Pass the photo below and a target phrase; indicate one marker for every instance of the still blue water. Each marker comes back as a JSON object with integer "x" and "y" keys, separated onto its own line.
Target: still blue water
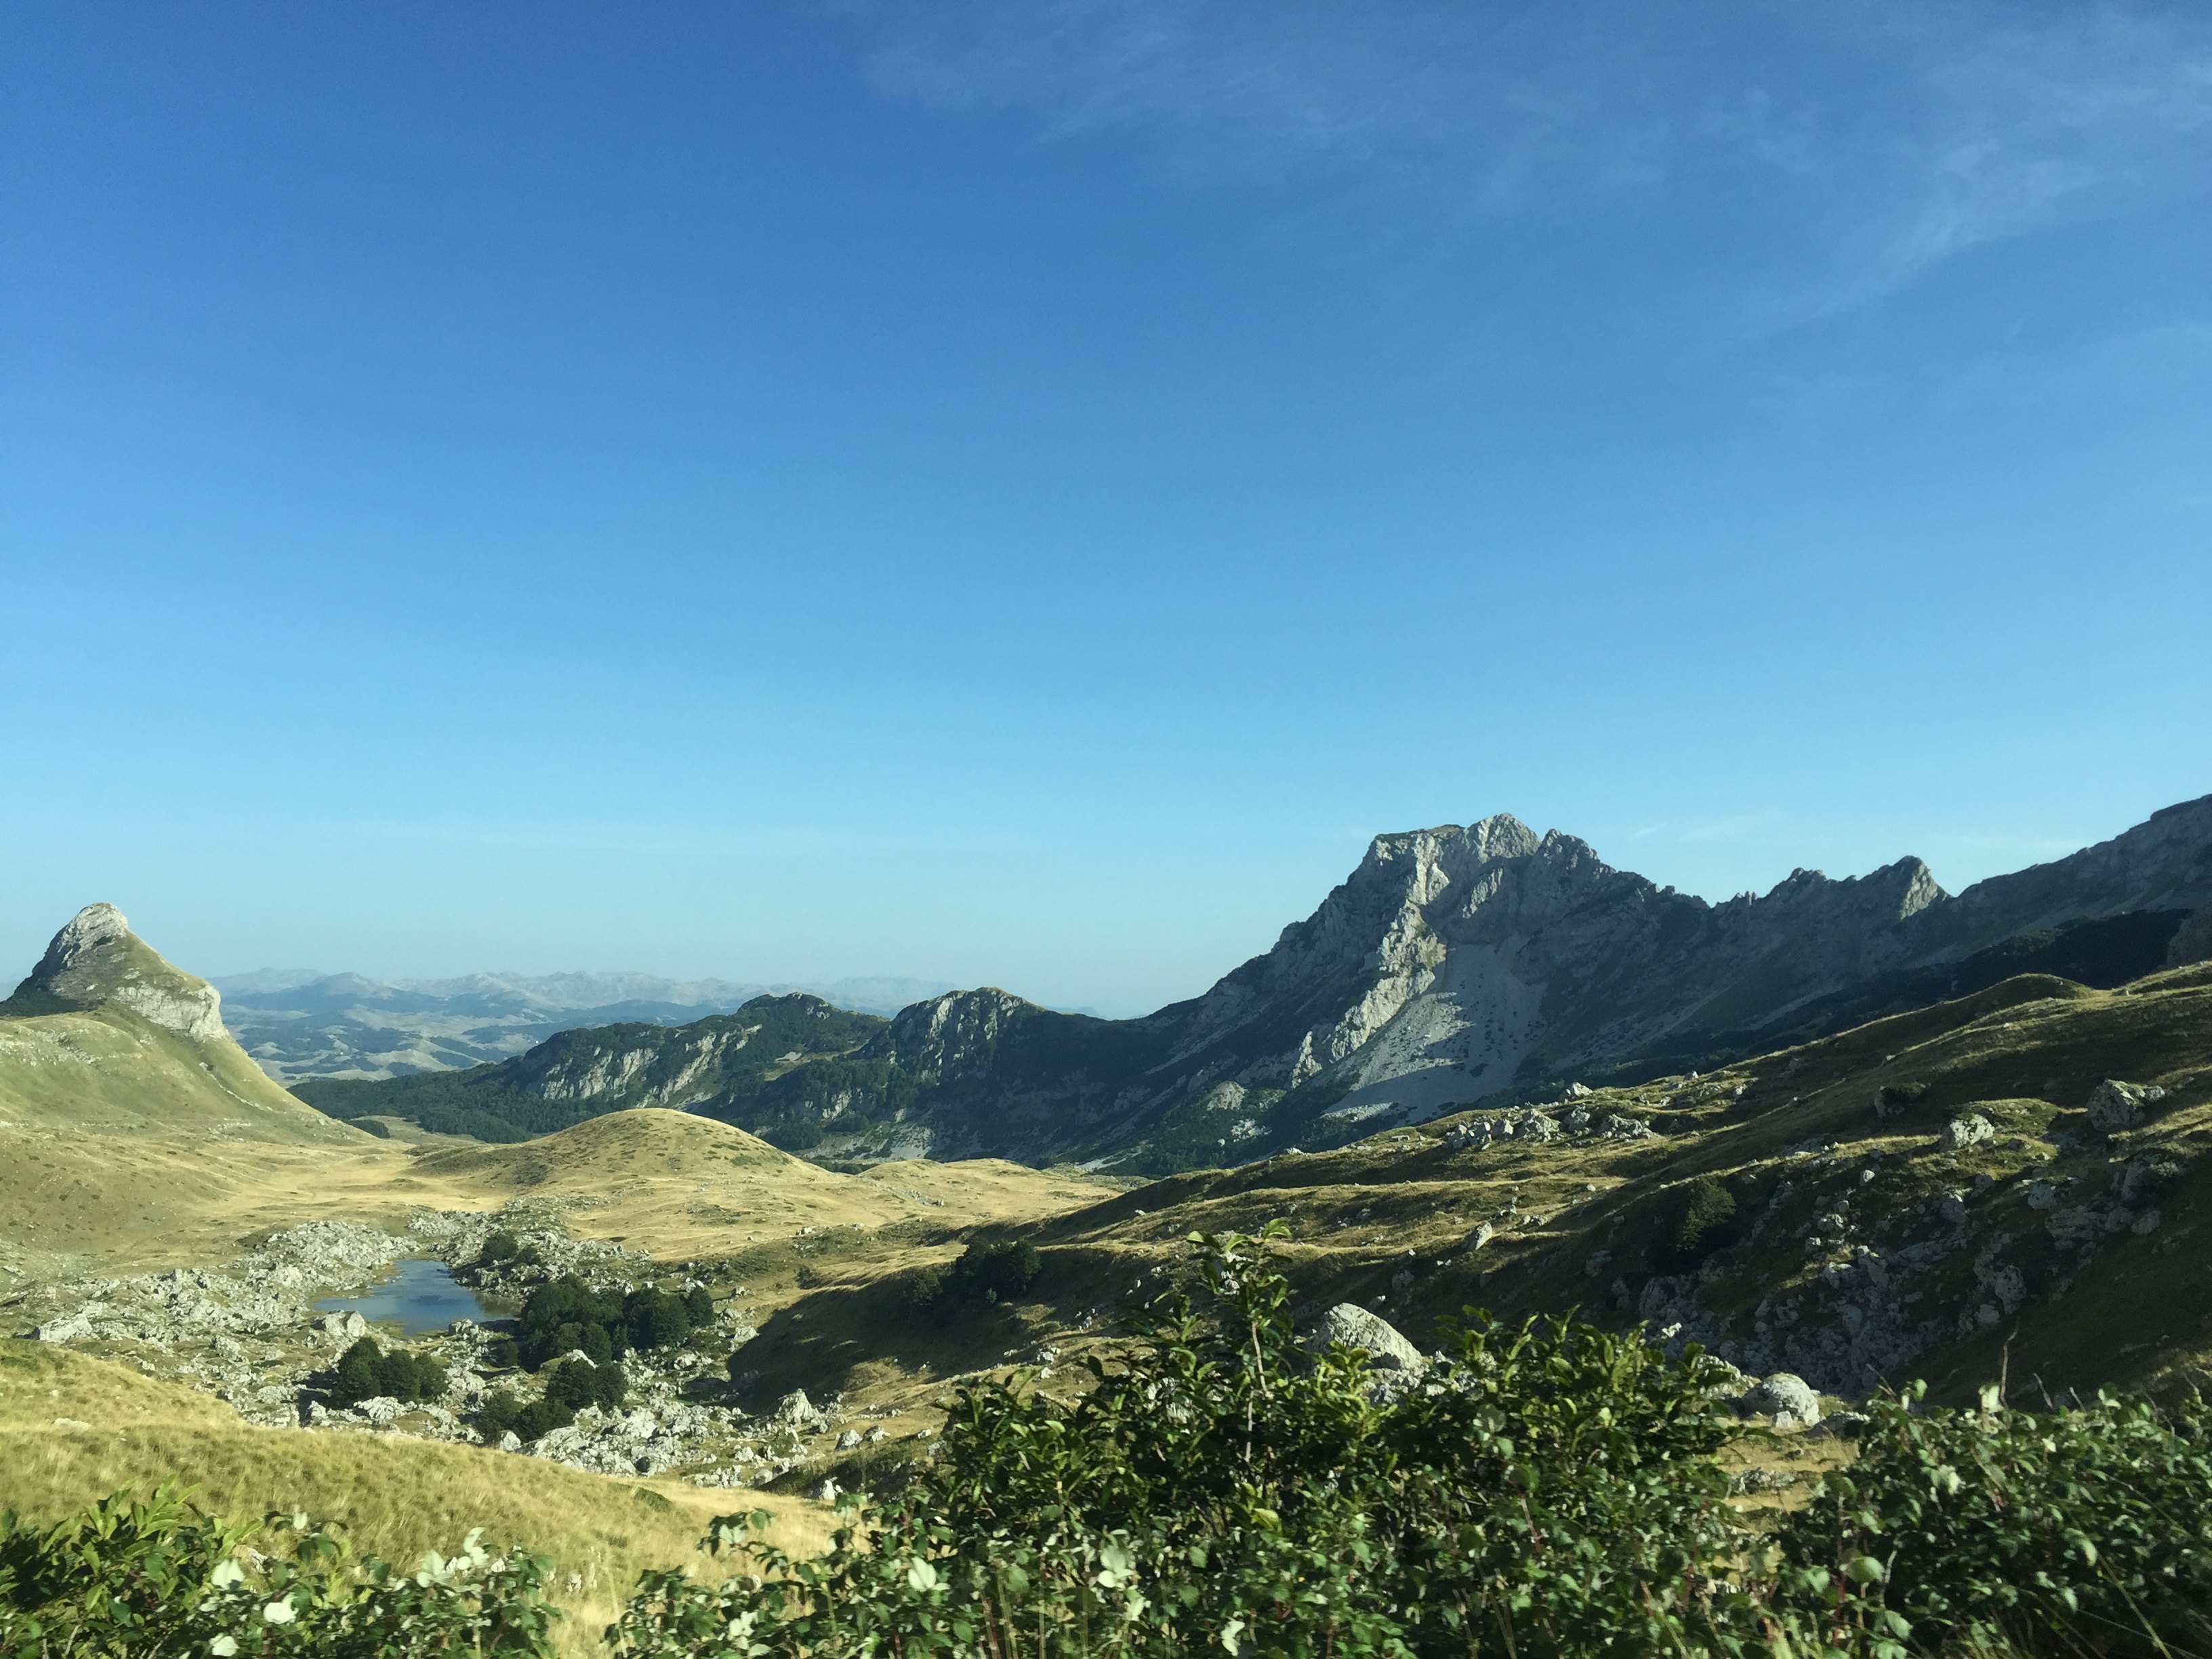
{"x": 419, "y": 1297}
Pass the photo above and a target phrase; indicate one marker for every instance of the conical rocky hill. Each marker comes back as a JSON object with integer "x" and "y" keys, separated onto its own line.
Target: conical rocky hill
{"x": 104, "y": 1034}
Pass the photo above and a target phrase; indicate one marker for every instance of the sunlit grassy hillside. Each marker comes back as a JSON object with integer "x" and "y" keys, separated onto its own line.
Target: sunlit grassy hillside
{"x": 398, "y": 1498}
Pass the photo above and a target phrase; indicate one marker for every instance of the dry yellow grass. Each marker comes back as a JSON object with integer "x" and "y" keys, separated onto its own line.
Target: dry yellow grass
{"x": 398, "y": 1497}
{"x": 111, "y": 1200}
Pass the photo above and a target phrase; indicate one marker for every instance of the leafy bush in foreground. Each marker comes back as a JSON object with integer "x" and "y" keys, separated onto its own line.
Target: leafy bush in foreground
{"x": 1550, "y": 1492}
{"x": 158, "y": 1578}
{"x": 2086, "y": 1529}
{"x": 1547, "y": 1493}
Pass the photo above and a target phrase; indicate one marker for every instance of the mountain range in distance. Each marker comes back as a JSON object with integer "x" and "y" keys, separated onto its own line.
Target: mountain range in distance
{"x": 1458, "y": 966}
{"x": 301, "y": 1022}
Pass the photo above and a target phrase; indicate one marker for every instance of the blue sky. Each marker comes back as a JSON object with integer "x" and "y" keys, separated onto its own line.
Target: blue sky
{"x": 1019, "y": 493}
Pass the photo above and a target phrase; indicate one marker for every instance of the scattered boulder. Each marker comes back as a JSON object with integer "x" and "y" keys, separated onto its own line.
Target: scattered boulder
{"x": 796, "y": 1410}
{"x": 1786, "y": 1398}
{"x": 1971, "y": 1130}
{"x": 347, "y": 1327}
{"x": 1384, "y": 1344}
{"x": 2116, "y": 1105}
{"x": 1579, "y": 1091}
{"x": 2073, "y": 1227}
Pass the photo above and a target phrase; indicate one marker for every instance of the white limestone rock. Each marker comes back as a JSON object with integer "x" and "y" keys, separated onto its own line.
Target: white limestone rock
{"x": 1385, "y": 1347}
{"x": 2116, "y": 1105}
{"x": 1786, "y": 1398}
{"x": 1972, "y": 1129}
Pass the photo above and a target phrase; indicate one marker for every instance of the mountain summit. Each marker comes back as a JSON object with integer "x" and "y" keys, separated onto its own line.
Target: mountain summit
{"x": 104, "y": 1034}
{"x": 96, "y": 961}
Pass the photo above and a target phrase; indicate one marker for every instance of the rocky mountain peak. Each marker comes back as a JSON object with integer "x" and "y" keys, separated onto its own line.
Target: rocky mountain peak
{"x": 96, "y": 961}
{"x": 954, "y": 1032}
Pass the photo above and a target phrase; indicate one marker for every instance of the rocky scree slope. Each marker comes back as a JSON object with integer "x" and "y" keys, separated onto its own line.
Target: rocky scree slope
{"x": 1461, "y": 967}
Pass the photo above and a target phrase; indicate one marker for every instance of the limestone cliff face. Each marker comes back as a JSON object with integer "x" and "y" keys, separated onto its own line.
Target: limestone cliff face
{"x": 97, "y": 960}
{"x": 955, "y": 1034}
{"x": 1457, "y": 964}
{"x": 647, "y": 1066}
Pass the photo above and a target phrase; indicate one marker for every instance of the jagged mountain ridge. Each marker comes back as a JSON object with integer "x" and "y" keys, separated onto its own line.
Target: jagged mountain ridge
{"x": 720, "y": 1064}
{"x": 1463, "y": 966}
{"x": 299, "y": 1025}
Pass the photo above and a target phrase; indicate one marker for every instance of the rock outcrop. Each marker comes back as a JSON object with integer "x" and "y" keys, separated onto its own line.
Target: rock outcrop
{"x": 1384, "y": 1344}
{"x": 96, "y": 960}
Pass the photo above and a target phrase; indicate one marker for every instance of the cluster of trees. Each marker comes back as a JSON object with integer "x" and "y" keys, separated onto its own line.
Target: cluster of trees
{"x": 566, "y": 1316}
{"x": 989, "y": 1274}
{"x": 366, "y": 1371}
{"x": 1702, "y": 1220}
{"x": 501, "y": 1249}
{"x": 569, "y": 1387}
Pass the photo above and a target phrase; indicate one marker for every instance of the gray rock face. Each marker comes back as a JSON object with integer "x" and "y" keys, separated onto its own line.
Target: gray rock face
{"x": 1788, "y": 1399}
{"x": 1971, "y": 1130}
{"x": 96, "y": 959}
{"x": 2116, "y": 1105}
{"x": 1385, "y": 1347}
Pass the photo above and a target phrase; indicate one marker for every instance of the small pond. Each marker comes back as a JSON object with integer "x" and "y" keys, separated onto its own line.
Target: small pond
{"x": 420, "y": 1296}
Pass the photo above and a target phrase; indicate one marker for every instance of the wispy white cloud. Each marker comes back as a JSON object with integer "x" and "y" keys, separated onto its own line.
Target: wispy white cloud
{"x": 1732, "y": 827}
{"x": 1877, "y": 145}
{"x": 1993, "y": 124}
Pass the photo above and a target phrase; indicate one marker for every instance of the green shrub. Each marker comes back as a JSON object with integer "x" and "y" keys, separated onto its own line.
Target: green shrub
{"x": 502, "y": 1249}
{"x": 575, "y": 1384}
{"x": 1896, "y": 1096}
{"x": 569, "y": 1387}
{"x": 366, "y": 1371}
{"x": 1702, "y": 1220}
{"x": 504, "y": 1412}
{"x": 1220, "y": 1490}
{"x": 2082, "y": 1531}
{"x": 159, "y": 1577}
{"x": 990, "y": 1273}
